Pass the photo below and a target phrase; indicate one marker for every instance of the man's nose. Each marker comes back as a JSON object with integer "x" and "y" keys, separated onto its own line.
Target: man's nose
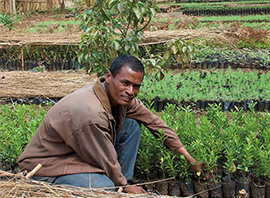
{"x": 130, "y": 90}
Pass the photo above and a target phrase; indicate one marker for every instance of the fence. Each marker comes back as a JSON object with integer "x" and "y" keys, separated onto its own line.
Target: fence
{"x": 12, "y": 6}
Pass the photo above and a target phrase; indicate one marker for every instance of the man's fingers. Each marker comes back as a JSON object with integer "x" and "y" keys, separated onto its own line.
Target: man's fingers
{"x": 134, "y": 190}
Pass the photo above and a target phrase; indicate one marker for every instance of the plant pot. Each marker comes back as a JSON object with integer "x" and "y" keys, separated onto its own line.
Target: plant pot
{"x": 257, "y": 191}
{"x": 215, "y": 190}
{"x": 228, "y": 189}
{"x": 226, "y": 106}
{"x": 150, "y": 187}
{"x": 187, "y": 188}
{"x": 174, "y": 188}
{"x": 201, "y": 189}
{"x": 162, "y": 188}
{"x": 242, "y": 185}
{"x": 260, "y": 105}
{"x": 267, "y": 189}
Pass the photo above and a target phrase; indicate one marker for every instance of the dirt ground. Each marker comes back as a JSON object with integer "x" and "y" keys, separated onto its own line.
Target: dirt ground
{"x": 58, "y": 84}
{"x": 18, "y": 35}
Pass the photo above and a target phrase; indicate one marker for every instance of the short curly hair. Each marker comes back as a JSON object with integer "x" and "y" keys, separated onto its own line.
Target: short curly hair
{"x": 128, "y": 60}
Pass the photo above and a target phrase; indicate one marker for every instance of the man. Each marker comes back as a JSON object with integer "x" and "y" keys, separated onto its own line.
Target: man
{"x": 90, "y": 138}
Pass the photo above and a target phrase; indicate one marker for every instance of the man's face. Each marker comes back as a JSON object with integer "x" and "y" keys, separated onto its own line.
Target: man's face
{"x": 125, "y": 86}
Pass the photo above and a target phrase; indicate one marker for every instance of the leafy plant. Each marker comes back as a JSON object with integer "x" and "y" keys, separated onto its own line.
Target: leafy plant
{"x": 112, "y": 28}
{"x": 7, "y": 20}
{"x": 18, "y": 124}
{"x": 144, "y": 161}
{"x": 181, "y": 50}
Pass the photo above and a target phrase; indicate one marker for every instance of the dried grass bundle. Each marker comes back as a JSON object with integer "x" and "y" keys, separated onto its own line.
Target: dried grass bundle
{"x": 23, "y": 84}
{"x": 17, "y": 185}
{"x": 30, "y": 188}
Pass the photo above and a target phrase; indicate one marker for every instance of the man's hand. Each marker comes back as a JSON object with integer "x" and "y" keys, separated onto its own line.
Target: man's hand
{"x": 133, "y": 189}
{"x": 199, "y": 167}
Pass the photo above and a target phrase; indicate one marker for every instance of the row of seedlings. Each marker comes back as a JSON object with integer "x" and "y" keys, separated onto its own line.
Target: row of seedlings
{"x": 235, "y": 148}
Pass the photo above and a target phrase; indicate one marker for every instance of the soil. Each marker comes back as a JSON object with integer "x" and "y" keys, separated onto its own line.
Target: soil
{"x": 19, "y": 36}
{"x": 57, "y": 84}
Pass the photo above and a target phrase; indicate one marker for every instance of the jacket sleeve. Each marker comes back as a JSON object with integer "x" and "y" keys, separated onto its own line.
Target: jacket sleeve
{"x": 93, "y": 143}
{"x": 139, "y": 112}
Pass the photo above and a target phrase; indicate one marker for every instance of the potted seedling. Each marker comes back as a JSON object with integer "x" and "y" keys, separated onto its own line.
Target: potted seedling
{"x": 230, "y": 152}
{"x": 144, "y": 167}
{"x": 172, "y": 168}
{"x": 244, "y": 164}
{"x": 257, "y": 186}
{"x": 200, "y": 186}
{"x": 212, "y": 141}
{"x": 161, "y": 153}
{"x": 185, "y": 176}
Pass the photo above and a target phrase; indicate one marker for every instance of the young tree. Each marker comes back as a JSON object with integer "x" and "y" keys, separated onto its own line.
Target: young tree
{"x": 112, "y": 28}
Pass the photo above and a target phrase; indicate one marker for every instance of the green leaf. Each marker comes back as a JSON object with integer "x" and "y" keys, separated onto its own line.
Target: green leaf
{"x": 174, "y": 48}
{"x": 137, "y": 12}
{"x": 116, "y": 45}
{"x": 120, "y": 7}
{"x": 166, "y": 54}
{"x": 153, "y": 11}
{"x": 178, "y": 58}
{"x": 184, "y": 49}
{"x": 185, "y": 58}
{"x": 127, "y": 47}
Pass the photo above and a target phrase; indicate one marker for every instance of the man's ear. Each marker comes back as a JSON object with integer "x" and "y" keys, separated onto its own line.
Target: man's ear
{"x": 108, "y": 76}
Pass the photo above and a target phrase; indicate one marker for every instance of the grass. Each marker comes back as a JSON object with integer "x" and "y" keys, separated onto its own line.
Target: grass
{"x": 44, "y": 26}
{"x": 259, "y": 21}
{"x": 217, "y": 4}
{"x": 235, "y": 18}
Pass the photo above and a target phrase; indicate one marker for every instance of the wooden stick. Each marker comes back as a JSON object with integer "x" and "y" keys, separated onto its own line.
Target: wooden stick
{"x": 20, "y": 176}
{"x": 32, "y": 172}
{"x": 120, "y": 188}
{"x": 242, "y": 193}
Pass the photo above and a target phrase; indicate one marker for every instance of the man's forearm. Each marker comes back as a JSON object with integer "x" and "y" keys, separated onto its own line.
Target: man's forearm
{"x": 183, "y": 151}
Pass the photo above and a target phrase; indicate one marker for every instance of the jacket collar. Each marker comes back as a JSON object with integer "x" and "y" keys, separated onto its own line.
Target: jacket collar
{"x": 102, "y": 95}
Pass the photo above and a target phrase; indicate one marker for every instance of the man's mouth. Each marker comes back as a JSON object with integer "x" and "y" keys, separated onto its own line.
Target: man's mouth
{"x": 127, "y": 98}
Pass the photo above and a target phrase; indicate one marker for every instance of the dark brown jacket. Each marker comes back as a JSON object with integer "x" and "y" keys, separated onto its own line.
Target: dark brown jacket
{"x": 77, "y": 135}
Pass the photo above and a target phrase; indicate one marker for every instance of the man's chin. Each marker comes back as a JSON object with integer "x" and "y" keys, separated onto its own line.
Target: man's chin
{"x": 125, "y": 102}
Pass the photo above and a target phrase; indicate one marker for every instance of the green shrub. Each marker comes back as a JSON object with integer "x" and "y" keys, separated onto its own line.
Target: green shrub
{"x": 18, "y": 124}
{"x": 7, "y": 20}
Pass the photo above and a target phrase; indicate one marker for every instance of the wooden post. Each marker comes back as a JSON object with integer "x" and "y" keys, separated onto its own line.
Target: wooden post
{"x": 22, "y": 58}
{"x": 10, "y": 6}
{"x": 13, "y": 7}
